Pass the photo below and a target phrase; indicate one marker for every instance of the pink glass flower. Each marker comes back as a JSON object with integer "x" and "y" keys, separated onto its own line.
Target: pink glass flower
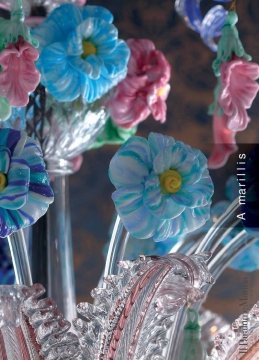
{"x": 224, "y": 142}
{"x": 18, "y": 75}
{"x": 238, "y": 90}
{"x": 145, "y": 89}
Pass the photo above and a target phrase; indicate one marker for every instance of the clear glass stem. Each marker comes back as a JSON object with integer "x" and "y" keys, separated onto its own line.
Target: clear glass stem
{"x": 20, "y": 258}
{"x": 116, "y": 249}
{"x": 225, "y": 256}
{"x": 61, "y": 281}
{"x": 221, "y": 260}
{"x": 214, "y": 236}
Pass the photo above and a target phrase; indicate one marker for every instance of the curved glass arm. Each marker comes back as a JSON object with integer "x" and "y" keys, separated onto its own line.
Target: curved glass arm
{"x": 116, "y": 249}
{"x": 226, "y": 222}
{"x": 216, "y": 266}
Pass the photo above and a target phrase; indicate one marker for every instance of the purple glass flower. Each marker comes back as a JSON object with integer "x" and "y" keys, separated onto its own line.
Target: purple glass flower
{"x": 25, "y": 192}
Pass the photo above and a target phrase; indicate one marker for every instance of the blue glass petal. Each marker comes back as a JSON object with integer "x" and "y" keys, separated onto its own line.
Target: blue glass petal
{"x": 97, "y": 12}
{"x": 231, "y": 188}
{"x": 131, "y": 165}
{"x": 17, "y": 119}
{"x": 193, "y": 14}
{"x": 247, "y": 260}
{"x": 212, "y": 25}
{"x": 59, "y": 23}
{"x": 15, "y": 194}
{"x": 157, "y": 142}
{"x": 4, "y": 160}
{"x": 63, "y": 83}
{"x": 136, "y": 218}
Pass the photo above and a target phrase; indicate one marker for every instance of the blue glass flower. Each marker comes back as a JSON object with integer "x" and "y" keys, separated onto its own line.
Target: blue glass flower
{"x": 163, "y": 187}
{"x": 25, "y": 192}
{"x": 80, "y": 53}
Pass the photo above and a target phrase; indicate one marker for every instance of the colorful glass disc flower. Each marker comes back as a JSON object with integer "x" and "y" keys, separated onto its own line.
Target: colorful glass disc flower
{"x": 25, "y": 192}
{"x": 163, "y": 187}
{"x": 80, "y": 53}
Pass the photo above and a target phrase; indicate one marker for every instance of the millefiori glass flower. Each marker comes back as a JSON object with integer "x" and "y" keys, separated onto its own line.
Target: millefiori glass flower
{"x": 163, "y": 187}
{"x": 80, "y": 53}
{"x": 145, "y": 89}
{"x": 25, "y": 192}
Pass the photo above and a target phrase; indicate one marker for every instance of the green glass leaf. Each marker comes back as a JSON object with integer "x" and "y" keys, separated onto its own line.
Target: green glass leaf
{"x": 113, "y": 135}
{"x": 192, "y": 348}
{"x": 229, "y": 44}
{"x": 13, "y": 28}
{"x": 215, "y": 108}
{"x": 5, "y": 109}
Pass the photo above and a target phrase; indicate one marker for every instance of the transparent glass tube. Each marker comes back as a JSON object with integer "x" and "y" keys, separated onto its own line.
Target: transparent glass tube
{"x": 116, "y": 249}
{"x": 61, "y": 281}
{"x": 221, "y": 260}
{"x": 20, "y": 258}
{"x": 227, "y": 221}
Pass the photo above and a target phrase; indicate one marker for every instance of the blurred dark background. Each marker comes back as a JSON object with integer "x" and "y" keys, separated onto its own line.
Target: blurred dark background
{"x": 192, "y": 87}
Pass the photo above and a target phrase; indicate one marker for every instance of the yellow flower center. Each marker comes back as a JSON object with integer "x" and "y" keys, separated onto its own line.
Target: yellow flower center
{"x": 161, "y": 91}
{"x": 88, "y": 48}
{"x": 3, "y": 181}
{"x": 170, "y": 181}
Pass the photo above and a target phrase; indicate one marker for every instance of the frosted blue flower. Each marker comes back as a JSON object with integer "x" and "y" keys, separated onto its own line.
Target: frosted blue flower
{"x": 25, "y": 192}
{"x": 163, "y": 187}
{"x": 80, "y": 53}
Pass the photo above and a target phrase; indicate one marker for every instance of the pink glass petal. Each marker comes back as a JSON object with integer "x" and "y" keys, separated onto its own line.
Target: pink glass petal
{"x": 238, "y": 90}
{"x": 224, "y": 142}
{"x": 19, "y": 76}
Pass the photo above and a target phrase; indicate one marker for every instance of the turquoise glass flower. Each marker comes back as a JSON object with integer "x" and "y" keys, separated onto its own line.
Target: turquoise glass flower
{"x": 80, "y": 53}
{"x": 25, "y": 192}
{"x": 163, "y": 187}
